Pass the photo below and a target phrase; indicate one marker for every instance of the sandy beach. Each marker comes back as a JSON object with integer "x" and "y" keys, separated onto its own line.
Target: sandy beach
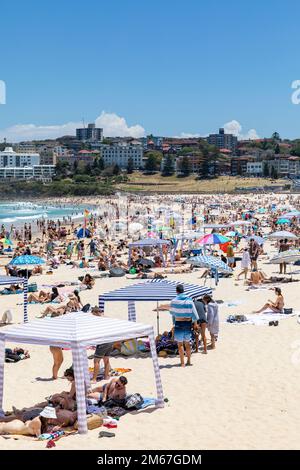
{"x": 242, "y": 395}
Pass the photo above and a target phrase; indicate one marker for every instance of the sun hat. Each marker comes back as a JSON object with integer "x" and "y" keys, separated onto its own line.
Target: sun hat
{"x": 48, "y": 412}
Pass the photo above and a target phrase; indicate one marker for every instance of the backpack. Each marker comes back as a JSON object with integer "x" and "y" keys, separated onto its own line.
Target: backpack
{"x": 134, "y": 401}
{"x": 86, "y": 308}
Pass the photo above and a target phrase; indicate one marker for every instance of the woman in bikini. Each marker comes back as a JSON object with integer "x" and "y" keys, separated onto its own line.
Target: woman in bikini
{"x": 277, "y": 306}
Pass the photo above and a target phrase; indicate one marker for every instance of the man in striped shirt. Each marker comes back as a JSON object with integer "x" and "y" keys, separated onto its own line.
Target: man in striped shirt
{"x": 184, "y": 315}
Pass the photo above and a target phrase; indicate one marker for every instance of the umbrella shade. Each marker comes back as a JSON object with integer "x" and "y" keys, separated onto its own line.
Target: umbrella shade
{"x": 289, "y": 256}
{"x": 135, "y": 227}
{"x": 26, "y": 260}
{"x": 6, "y": 241}
{"x": 282, "y": 234}
{"x": 231, "y": 233}
{"x": 283, "y": 221}
{"x": 146, "y": 262}
{"x": 292, "y": 214}
{"x": 213, "y": 239}
{"x": 256, "y": 238}
{"x": 209, "y": 262}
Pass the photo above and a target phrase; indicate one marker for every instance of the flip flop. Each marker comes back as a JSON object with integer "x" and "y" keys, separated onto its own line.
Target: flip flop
{"x": 271, "y": 323}
{"x": 276, "y": 323}
{"x": 106, "y": 434}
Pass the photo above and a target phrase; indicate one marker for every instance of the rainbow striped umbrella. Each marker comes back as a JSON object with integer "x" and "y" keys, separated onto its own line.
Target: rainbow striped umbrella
{"x": 213, "y": 239}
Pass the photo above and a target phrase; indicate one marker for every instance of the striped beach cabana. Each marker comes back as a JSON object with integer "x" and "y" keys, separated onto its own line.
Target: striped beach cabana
{"x": 78, "y": 330}
{"x": 9, "y": 280}
{"x": 149, "y": 291}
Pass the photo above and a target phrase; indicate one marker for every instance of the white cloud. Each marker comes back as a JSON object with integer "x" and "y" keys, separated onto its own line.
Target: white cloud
{"x": 235, "y": 128}
{"x": 113, "y": 126}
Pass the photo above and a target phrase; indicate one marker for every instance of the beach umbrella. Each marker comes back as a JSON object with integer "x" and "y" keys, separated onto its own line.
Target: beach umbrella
{"x": 282, "y": 234}
{"x": 283, "y": 221}
{"x": 292, "y": 214}
{"x": 231, "y": 233}
{"x": 213, "y": 239}
{"x": 205, "y": 261}
{"x": 146, "y": 262}
{"x": 135, "y": 227}
{"x": 256, "y": 238}
{"x": 289, "y": 256}
{"x": 262, "y": 210}
{"x": 27, "y": 260}
{"x": 6, "y": 241}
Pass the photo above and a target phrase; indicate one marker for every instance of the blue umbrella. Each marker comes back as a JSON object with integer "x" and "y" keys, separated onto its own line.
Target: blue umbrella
{"x": 257, "y": 239}
{"x": 23, "y": 260}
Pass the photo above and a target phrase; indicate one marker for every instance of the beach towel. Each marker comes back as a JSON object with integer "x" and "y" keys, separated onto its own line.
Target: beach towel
{"x": 263, "y": 318}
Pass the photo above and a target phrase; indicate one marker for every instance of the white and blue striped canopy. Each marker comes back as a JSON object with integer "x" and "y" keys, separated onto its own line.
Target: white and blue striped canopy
{"x": 205, "y": 261}
{"x": 7, "y": 280}
{"x": 154, "y": 290}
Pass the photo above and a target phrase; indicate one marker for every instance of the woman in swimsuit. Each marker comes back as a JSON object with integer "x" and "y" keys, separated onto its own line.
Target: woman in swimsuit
{"x": 277, "y": 306}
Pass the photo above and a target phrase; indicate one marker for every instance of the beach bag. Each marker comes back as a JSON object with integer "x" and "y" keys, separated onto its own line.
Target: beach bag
{"x": 32, "y": 287}
{"x": 93, "y": 421}
{"x": 132, "y": 271}
{"x": 287, "y": 311}
{"x": 86, "y": 308}
{"x": 134, "y": 401}
{"x": 129, "y": 347}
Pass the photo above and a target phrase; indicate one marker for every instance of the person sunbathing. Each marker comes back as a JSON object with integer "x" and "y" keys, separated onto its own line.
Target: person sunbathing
{"x": 115, "y": 389}
{"x": 56, "y": 311}
{"x": 277, "y": 306}
{"x": 44, "y": 297}
{"x": 256, "y": 278}
{"x": 16, "y": 426}
{"x": 88, "y": 281}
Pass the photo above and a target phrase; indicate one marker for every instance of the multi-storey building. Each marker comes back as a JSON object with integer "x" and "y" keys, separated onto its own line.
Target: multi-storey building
{"x": 36, "y": 172}
{"x": 223, "y": 141}
{"x": 90, "y": 133}
{"x": 119, "y": 154}
{"x": 10, "y": 158}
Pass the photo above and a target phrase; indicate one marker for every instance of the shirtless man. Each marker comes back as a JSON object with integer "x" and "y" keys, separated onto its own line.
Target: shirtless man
{"x": 115, "y": 389}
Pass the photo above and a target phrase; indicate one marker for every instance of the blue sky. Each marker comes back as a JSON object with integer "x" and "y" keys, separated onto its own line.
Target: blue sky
{"x": 162, "y": 66}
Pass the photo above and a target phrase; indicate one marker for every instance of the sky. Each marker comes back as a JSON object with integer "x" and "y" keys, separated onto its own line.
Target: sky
{"x": 166, "y": 67}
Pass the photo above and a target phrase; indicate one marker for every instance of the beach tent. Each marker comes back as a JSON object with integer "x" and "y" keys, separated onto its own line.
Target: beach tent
{"x": 8, "y": 281}
{"x": 149, "y": 242}
{"x": 77, "y": 331}
{"x": 149, "y": 291}
{"x": 83, "y": 233}
{"x": 184, "y": 237}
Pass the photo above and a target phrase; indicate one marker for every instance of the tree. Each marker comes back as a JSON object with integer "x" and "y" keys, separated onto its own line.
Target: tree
{"x": 151, "y": 164}
{"x": 274, "y": 172}
{"x": 101, "y": 165}
{"x": 277, "y": 149}
{"x": 62, "y": 168}
{"x": 266, "y": 172}
{"x": 130, "y": 166}
{"x": 276, "y": 136}
{"x": 204, "y": 167}
{"x": 168, "y": 168}
{"x": 88, "y": 169}
{"x": 116, "y": 170}
{"x": 185, "y": 166}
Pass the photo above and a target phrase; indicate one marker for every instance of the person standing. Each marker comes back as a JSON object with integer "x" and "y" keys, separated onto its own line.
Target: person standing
{"x": 253, "y": 252}
{"x": 185, "y": 317}
{"x": 212, "y": 319}
{"x": 245, "y": 264}
{"x": 283, "y": 246}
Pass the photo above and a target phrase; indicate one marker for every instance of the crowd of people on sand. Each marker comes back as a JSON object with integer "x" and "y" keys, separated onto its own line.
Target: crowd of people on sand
{"x": 102, "y": 249}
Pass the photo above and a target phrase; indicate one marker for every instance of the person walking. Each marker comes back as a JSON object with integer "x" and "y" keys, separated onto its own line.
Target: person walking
{"x": 212, "y": 319}
{"x": 185, "y": 317}
{"x": 245, "y": 264}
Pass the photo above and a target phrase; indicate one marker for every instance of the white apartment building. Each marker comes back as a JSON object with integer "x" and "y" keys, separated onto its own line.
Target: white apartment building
{"x": 255, "y": 168}
{"x": 9, "y": 158}
{"x": 119, "y": 154}
{"x": 37, "y": 172}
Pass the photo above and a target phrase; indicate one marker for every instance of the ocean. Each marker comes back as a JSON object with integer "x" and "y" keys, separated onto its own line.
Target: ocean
{"x": 18, "y": 213}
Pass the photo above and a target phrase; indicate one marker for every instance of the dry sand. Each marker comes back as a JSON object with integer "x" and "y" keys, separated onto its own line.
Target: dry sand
{"x": 243, "y": 395}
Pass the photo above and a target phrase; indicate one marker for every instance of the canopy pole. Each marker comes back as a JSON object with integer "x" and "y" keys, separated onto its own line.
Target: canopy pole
{"x": 2, "y": 359}
{"x": 25, "y": 294}
{"x": 157, "y": 317}
{"x": 159, "y": 389}
{"x": 78, "y": 365}
{"x": 131, "y": 311}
